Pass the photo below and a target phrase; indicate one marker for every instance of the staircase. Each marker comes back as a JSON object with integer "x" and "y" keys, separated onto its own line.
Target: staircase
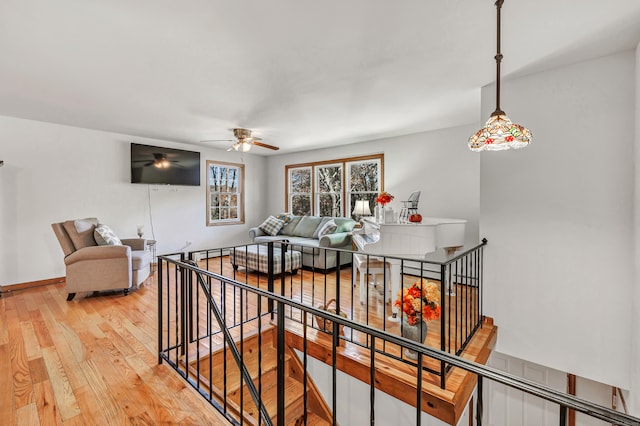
{"x": 216, "y": 379}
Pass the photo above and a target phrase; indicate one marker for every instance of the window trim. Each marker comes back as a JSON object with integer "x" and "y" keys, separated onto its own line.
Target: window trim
{"x": 222, "y": 222}
{"x": 343, "y": 161}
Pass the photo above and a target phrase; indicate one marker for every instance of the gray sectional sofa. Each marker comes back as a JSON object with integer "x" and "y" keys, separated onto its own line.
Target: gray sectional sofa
{"x": 305, "y": 231}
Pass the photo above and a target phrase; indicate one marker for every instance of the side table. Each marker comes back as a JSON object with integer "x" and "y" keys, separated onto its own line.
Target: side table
{"x": 151, "y": 244}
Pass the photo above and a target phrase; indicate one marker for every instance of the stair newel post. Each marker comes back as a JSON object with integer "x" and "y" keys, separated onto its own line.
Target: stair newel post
{"x": 270, "y": 275}
{"x": 281, "y": 365}
{"x": 184, "y": 273}
{"x": 283, "y": 263}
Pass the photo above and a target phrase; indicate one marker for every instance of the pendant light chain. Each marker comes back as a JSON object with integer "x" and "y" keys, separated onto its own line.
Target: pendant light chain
{"x": 498, "y": 58}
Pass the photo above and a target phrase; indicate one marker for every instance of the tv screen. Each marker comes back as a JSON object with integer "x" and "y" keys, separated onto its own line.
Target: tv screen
{"x": 164, "y": 166}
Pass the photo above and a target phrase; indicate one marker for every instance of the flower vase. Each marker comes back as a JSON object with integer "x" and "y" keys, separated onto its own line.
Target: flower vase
{"x": 380, "y": 213}
{"x": 417, "y": 333}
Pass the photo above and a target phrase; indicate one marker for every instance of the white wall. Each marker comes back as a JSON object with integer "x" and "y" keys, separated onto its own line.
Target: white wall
{"x": 507, "y": 406}
{"x": 353, "y": 400}
{"x": 437, "y": 163}
{"x": 53, "y": 173}
{"x": 635, "y": 337}
{"x": 558, "y": 217}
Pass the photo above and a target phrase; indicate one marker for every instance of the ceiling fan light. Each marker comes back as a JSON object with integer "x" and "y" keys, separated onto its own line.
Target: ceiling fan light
{"x": 245, "y": 146}
{"x": 498, "y": 134}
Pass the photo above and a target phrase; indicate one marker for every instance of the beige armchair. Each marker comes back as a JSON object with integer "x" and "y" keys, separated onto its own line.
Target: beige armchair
{"x": 93, "y": 267}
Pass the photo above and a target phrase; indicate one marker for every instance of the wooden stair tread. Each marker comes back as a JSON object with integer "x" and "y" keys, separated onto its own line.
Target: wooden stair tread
{"x": 312, "y": 420}
{"x": 293, "y": 400}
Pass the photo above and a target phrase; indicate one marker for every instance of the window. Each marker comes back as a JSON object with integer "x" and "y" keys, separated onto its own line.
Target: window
{"x": 225, "y": 193}
{"x": 299, "y": 198}
{"x": 363, "y": 182}
{"x": 331, "y": 188}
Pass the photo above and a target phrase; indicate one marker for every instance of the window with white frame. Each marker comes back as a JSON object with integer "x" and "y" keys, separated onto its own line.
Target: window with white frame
{"x": 300, "y": 190}
{"x": 329, "y": 185}
{"x": 225, "y": 193}
{"x": 331, "y": 188}
{"x": 363, "y": 182}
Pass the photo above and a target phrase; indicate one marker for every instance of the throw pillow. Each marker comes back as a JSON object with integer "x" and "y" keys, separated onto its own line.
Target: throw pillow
{"x": 323, "y": 220}
{"x": 345, "y": 224}
{"x": 285, "y": 217}
{"x": 271, "y": 226}
{"x": 81, "y": 232}
{"x": 105, "y": 236}
{"x": 328, "y": 228}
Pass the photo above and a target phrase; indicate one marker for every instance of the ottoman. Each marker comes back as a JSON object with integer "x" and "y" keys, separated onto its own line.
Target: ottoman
{"x": 256, "y": 257}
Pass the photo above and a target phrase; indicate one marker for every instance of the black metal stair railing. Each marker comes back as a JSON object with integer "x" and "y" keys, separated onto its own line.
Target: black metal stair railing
{"x": 459, "y": 274}
{"x": 185, "y": 290}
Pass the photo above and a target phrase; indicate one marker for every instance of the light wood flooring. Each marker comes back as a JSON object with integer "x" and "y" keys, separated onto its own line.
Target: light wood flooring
{"x": 92, "y": 361}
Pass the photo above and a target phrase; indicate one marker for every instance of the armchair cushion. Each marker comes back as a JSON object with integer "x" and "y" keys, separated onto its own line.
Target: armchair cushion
{"x": 81, "y": 232}
{"x": 104, "y": 236}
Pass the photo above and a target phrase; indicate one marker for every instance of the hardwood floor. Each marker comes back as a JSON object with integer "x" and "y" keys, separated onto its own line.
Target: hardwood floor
{"x": 92, "y": 361}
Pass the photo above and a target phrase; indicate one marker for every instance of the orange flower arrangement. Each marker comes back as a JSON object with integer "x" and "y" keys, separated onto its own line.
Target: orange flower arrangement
{"x": 384, "y": 198}
{"x": 421, "y": 299}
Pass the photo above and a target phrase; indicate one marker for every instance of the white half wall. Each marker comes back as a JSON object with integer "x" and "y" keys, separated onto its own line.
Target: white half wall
{"x": 558, "y": 216}
{"x": 52, "y": 173}
{"x": 635, "y": 336}
{"x": 437, "y": 163}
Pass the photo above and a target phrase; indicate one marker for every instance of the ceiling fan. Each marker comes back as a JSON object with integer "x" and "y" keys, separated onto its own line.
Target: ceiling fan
{"x": 244, "y": 141}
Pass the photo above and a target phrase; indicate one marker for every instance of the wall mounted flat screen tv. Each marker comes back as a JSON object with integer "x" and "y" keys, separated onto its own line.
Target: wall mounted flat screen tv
{"x": 164, "y": 166}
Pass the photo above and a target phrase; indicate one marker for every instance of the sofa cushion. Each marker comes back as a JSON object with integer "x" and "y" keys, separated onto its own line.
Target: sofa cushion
{"x": 329, "y": 227}
{"x": 307, "y": 226}
{"x": 104, "y": 236}
{"x": 288, "y": 228}
{"x": 271, "y": 226}
{"x": 345, "y": 224}
{"x": 81, "y": 232}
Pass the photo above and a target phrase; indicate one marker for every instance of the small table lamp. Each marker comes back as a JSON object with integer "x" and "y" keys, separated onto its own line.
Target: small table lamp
{"x": 361, "y": 209}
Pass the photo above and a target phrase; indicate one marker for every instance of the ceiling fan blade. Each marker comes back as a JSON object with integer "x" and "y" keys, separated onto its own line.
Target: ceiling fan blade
{"x": 217, "y": 140}
{"x": 264, "y": 145}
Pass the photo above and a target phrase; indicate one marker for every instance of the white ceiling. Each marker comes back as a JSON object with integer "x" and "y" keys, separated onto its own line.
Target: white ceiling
{"x": 301, "y": 73}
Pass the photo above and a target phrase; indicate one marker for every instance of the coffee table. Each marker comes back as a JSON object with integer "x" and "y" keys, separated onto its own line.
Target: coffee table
{"x": 256, "y": 258}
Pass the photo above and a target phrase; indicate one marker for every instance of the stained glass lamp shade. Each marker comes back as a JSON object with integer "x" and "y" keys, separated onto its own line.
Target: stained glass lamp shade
{"x": 499, "y": 132}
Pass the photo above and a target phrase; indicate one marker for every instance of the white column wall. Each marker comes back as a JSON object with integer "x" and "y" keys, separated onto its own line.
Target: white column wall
{"x": 53, "y": 173}
{"x": 635, "y": 320}
{"x": 558, "y": 217}
{"x": 437, "y": 163}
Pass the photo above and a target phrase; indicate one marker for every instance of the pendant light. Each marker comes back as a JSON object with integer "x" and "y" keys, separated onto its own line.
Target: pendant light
{"x": 499, "y": 132}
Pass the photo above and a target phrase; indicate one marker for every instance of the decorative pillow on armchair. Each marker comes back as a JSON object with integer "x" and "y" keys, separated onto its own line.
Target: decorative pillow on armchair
{"x": 105, "y": 236}
{"x": 271, "y": 226}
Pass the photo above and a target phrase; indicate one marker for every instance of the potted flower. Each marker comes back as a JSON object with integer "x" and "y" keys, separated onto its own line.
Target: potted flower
{"x": 419, "y": 303}
{"x": 383, "y": 199}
